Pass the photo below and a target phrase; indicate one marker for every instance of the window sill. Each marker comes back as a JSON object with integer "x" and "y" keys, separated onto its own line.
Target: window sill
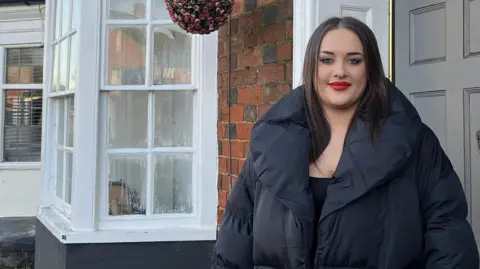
{"x": 61, "y": 229}
{"x": 20, "y": 166}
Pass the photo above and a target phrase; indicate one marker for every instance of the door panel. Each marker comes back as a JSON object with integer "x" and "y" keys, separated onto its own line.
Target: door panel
{"x": 374, "y": 13}
{"x": 437, "y": 63}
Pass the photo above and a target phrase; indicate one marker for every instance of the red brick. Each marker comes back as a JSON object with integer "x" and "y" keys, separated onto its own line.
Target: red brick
{"x": 244, "y": 130}
{"x": 250, "y": 21}
{"x": 251, "y": 76}
{"x": 289, "y": 29}
{"x": 236, "y": 113}
{"x": 223, "y": 31}
{"x": 238, "y": 42}
{"x": 265, "y": 2}
{"x": 274, "y": 33}
{"x": 222, "y": 64}
{"x": 274, "y": 92}
{"x": 253, "y": 38}
{"x": 222, "y": 47}
{"x": 284, "y": 51}
{"x": 285, "y": 9}
{"x": 222, "y": 97}
{"x": 250, "y": 58}
{"x": 234, "y": 25}
{"x": 272, "y": 73}
{"x": 222, "y": 80}
{"x": 289, "y": 71}
{"x": 221, "y": 130}
{"x": 224, "y": 182}
{"x": 223, "y": 165}
{"x": 222, "y": 198}
{"x": 221, "y": 212}
{"x": 237, "y": 78}
{"x": 250, "y": 95}
{"x": 237, "y": 8}
{"x": 262, "y": 109}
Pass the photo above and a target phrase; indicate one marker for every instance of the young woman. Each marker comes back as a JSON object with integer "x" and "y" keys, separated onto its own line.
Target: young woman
{"x": 342, "y": 173}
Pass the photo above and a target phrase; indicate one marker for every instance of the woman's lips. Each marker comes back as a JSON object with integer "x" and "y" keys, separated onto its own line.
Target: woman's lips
{"x": 339, "y": 85}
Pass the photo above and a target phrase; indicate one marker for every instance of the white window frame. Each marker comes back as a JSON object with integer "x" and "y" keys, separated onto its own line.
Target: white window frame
{"x": 85, "y": 223}
{"x": 11, "y": 39}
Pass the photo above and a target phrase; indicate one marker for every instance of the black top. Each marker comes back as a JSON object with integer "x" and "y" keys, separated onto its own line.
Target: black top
{"x": 319, "y": 191}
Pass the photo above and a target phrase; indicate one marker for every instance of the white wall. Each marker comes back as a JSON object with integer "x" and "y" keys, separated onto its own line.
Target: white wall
{"x": 20, "y": 187}
{"x": 19, "y": 192}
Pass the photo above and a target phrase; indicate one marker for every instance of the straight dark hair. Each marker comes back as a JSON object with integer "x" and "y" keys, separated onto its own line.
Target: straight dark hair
{"x": 374, "y": 104}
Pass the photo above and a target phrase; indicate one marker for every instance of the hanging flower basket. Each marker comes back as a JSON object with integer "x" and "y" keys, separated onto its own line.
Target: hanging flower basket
{"x": 199, "y": 16}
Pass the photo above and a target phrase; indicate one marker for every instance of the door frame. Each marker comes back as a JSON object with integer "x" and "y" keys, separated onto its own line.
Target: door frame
{"x": 305, "y": 22}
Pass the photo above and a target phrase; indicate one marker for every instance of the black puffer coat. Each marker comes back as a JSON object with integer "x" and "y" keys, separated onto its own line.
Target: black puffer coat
{"x": 393, "y": 206}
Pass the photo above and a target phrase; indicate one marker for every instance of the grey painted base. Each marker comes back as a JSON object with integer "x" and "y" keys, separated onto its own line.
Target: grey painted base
{"x": 52, "y": 254}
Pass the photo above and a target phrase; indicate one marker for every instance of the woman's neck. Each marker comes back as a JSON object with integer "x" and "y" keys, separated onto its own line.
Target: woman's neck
{"x": 339, "y": 119}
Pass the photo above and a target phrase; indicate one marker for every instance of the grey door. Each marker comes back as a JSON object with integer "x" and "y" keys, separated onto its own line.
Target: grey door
{"x": 437, "y": 65}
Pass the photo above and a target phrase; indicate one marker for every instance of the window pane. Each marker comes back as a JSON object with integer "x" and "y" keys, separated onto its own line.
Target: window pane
{"x": 172, "y": 184}
{"x": 75, "y": 14}
{"x": 65, "y": 16}
{"x": 70, "y": 120}
{"x": 58, "y": 18}
{"x": 56, "y": 68}
{"x": 63, "y": 65}
{"x": 72, "y": 83}
{"x": 25, "y": 66}
{"x": 22, "y": 125}
{"x": 173, "y": 118}
{"x": 160, "y": 11}
{"x": 127, "y": 185}
{"x": 127, "y": 119}
{"x": 172, "y": 56}
{"x": 68, "y": 179}
{"x": 126, "y": 56}
{"x": 59, "y": 177}
{"x": 127, "y": 9}
{"x": 61, "y": 121}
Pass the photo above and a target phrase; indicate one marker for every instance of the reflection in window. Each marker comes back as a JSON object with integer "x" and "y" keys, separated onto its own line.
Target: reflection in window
{"x": 22, "y": 126}
{"x": 126, "y": 55}
{"x": 25, "y": 66}
{"x": 172, "y": 56}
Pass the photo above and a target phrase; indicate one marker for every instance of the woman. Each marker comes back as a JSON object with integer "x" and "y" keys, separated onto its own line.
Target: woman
{"x": 342, "y": 173}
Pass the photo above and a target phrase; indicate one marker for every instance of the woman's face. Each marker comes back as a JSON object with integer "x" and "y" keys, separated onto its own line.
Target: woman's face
{"x": 342, "y": 71}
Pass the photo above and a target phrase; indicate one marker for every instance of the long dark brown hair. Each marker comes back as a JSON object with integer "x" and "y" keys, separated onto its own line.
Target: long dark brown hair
{"x": 373, "y": 106}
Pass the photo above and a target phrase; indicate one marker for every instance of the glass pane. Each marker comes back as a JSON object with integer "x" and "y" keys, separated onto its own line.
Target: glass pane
{"x": 63, "y": 65}
{"x": 65, "y": 16}
{"x": 172, "y": 56}
{"x": 25, "y": 66}
{"x": 22, "y": 133}
{"x": 126, "y": 56}
{"x": 173, "y": 118}
{"x": 127, "y": 119}
{"x": 56, "y": 68}
{"x": 58, "y": 18}
{"x": 172, "y": 184}
{"x": 59, "y": 174}
{"x": 68, "y": 179}
{"x": 160, "y": 11}
{"x": 72, "y": 83}
{"x": 127, "y": 178}
{"x": 127, "y": 9}
{"x": 61, "y": 121}
{"x": 75, "y": 13}
{"x": 70, "y": 120}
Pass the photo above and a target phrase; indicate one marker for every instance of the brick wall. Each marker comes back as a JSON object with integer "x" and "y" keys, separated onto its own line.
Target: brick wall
{"x": 259, "y": 42}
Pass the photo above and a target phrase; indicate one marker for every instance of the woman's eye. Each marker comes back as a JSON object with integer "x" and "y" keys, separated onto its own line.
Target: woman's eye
{"x": 326, "y": 60}
{"x": 355, "y": 61}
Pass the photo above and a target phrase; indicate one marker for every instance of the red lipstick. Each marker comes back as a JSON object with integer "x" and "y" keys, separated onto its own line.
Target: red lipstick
{"x": 339, "y": 85}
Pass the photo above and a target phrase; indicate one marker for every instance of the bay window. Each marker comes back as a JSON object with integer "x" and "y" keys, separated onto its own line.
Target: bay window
{"x": 132, "y": 149}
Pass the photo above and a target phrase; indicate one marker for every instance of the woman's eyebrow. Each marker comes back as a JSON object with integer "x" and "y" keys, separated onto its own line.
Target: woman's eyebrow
{"x": 349, "y": 54}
